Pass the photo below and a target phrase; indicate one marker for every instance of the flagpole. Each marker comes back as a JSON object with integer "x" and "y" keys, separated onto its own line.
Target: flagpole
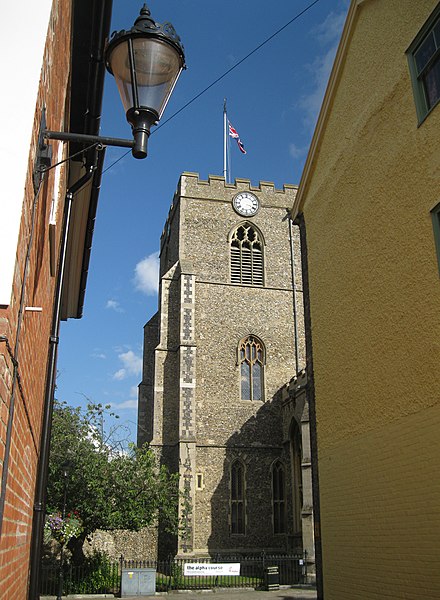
{"x": 225, "y": 143}
{"x": 229, "y": 157}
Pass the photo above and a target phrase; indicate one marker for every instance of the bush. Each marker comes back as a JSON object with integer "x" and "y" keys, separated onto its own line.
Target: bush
{"x": 98, "y": 575}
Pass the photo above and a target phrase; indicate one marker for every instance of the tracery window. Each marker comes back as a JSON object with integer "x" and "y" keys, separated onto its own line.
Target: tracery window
{"x": 247, "y": 255}
{"x": 251, "y": 360}
{"x": 278, "y": 498}
{"x": 237, "y": 498}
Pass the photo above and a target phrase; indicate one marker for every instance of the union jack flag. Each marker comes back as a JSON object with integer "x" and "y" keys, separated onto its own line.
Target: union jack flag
{"x": 234, "y": 134}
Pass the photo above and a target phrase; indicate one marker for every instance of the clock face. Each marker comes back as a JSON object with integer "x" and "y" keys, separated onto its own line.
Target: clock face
{"x": 246, "y": 204}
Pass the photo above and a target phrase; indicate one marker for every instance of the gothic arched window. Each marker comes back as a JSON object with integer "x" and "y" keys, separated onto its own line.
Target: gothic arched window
{"x": 251, "y": 360}
{"x": 278, "y": 498}
{"x": 247, "y": 255}
{"x": 237, "y": 498}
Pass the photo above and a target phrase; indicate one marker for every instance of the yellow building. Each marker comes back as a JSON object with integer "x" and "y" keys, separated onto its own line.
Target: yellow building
{"x": 369, "y": 210}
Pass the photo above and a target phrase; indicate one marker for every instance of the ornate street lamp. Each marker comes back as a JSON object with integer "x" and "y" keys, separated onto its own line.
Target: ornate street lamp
{"x": 146, "y": 62}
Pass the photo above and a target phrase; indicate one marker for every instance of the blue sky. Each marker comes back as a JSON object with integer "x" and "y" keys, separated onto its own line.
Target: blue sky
{"x": 273, "y": 101}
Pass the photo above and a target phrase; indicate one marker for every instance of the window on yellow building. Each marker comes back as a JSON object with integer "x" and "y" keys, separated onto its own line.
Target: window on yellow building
{"x": 424, "y": 65}
{"x": 435, "y": 214}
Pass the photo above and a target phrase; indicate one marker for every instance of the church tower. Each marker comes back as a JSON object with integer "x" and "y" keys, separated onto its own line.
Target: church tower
{"x": 217, "y": 356}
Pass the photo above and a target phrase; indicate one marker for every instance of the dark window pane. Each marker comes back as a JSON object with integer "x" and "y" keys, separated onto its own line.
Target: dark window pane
{"x": 279, "y": 520}
{"x": 276, "y": 486}
{"x": 245, "y": 383}
{"x": 256, "y": 381}
{"x": 424, "y": 53}
{"x": 432, "y": 83}
{"x": 240, "y": 519}
{"x": 237, "y": 498}
{"x": 234, "y": 518}
{"x": 276, "y": 520}
{"x": 282, "y": 524}
{"x": 437, "y": 34}
{"x": 281, "y": 481}
{"x": 239, "y": 483}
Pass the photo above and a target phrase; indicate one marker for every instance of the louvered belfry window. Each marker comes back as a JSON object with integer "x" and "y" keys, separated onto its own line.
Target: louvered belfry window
{"x": 246, "y": 256}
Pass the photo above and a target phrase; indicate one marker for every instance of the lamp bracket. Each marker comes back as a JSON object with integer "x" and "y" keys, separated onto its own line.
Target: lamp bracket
{"x": 67, "y": 136}
{"x": 43, "y": 155}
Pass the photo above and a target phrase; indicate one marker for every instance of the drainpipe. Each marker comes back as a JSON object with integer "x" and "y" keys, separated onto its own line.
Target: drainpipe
{"x": 43, "y": 462}
{"x": 295, "y": 306}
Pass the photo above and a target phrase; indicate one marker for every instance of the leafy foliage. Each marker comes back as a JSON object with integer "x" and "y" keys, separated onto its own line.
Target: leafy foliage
{"x": 99, "y": 575}
{"x": 110, "y": 488}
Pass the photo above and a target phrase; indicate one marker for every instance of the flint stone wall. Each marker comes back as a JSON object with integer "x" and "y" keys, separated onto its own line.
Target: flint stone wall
{"x": 133, "y": 545}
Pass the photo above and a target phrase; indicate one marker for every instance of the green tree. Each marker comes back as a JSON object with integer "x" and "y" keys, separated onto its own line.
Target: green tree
{"x": 111, "y": 488}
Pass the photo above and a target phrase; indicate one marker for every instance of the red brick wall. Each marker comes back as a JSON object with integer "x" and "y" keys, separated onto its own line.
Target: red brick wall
{"x": 35, "y": 328}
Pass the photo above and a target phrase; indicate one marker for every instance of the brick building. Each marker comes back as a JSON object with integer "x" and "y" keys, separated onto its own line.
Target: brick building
{"x": 217, "y": 356}
{"x": 60, "y": 78}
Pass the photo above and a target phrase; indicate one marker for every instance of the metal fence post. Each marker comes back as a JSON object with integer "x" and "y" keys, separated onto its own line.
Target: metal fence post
{"x": 121, "y": 561}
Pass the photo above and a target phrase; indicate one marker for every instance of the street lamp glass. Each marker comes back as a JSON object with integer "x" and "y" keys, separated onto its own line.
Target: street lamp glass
{"x": 156, "y": 68}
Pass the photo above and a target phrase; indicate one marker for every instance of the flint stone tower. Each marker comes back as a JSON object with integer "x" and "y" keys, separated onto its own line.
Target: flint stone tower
{"x": 217, "y": 357}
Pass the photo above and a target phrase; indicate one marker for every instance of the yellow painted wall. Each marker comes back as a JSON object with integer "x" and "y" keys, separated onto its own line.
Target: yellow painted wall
{"x": 375, "y": 311}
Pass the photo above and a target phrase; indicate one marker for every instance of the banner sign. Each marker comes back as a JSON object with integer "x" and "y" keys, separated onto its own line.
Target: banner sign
{"x": 204, "y": 569}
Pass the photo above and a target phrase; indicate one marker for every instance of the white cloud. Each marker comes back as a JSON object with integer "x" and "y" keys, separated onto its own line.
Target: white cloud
{"x": 311, "y": 103}
{"x": 132, "y": 365}
{"x": 327, "y": 33}
{"x": 132, "y": 362}
{"x": 296, "y": 151}
{"x": 119, "y": 375}
{"x": 134, "y": 391}
{"x": 330, "y": 29}
{"x": 122, "y": 348}
{"x": 146, "y": 274}
{"x": 127, "y": 404}
{"x": 98, "y": 355}
{"x": 114, "y": 305}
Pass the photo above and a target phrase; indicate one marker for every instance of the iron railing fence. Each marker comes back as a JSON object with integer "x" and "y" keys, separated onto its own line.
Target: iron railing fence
{"x": 292, "y": 569}
{"x": 105, "y": 577}
{"x": 98, "y": 578}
